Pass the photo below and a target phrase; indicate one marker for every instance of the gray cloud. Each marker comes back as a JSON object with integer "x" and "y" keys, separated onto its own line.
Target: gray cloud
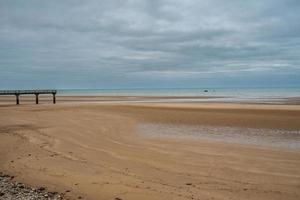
{"x": 132, "y": 43}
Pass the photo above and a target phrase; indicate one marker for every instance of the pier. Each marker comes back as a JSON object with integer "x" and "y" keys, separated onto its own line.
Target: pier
{"x": 17, "y": 93}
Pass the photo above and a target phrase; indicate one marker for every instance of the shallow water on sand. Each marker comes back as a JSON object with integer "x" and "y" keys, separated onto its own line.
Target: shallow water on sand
{"x": 250, "y": 136}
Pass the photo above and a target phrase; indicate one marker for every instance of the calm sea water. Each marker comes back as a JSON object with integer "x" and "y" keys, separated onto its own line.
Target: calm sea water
{"x": 228, "y": 92}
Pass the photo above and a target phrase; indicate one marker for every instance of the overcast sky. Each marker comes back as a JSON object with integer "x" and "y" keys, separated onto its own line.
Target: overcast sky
{"x": 154, "y": 43}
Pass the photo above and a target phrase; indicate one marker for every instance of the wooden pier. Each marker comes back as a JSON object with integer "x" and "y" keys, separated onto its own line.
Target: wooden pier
{"x": 17, "y": 93}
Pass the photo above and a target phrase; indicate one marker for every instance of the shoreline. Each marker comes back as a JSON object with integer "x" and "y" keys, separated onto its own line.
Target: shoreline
{"x": 272, "y": 100}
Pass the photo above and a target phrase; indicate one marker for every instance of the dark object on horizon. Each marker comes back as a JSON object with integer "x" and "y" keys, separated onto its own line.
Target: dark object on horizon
{"x": 205, "y": 90}
{"x": 17, "y": 93}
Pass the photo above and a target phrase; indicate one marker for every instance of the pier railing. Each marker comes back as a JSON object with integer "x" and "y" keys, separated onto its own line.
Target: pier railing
{"x": 17, "y": 93}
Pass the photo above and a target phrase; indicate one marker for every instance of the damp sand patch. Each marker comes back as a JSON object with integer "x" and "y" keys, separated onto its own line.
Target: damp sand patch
{"x": 250, "y": 136}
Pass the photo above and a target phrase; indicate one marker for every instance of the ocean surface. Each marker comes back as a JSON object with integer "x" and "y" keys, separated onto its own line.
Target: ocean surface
{"x": 223, "y": 92}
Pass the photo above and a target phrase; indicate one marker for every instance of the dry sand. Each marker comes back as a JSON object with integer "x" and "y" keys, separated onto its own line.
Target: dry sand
{"x": 97, "y": 152}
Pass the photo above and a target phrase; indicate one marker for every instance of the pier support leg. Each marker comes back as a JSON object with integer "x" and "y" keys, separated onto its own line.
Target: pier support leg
{"x": 54, "y": 98}
{"x": 17, "y": 99}
{"x": 37, "y": 98}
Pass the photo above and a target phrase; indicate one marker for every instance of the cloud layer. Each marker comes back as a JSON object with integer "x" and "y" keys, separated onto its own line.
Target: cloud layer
{"x": 157, "y": 43}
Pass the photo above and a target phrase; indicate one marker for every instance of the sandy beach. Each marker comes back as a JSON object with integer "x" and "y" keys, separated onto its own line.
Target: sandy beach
{"x": 98, "y": 150}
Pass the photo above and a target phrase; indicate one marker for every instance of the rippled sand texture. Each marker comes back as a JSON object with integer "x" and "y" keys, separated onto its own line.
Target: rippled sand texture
{"x": 98, "y": 152}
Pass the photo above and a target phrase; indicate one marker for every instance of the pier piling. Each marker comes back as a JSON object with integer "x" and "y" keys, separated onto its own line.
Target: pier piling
{"x": 54, "y": 98}
{"x": 36, "y": 98}
{"x": 17, "y": 99}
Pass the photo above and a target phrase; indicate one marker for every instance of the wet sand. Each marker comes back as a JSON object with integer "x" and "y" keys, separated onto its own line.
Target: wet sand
{"x": 278, "y": 138}
{"x": 30, "y": 99}
{"x": 97, "y": 151}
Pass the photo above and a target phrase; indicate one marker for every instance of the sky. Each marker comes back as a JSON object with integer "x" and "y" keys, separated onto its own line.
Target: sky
{"x": 149, "y": 43}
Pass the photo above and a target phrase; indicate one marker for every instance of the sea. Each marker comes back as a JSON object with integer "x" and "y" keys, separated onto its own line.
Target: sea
{"x": 283, "y": 92}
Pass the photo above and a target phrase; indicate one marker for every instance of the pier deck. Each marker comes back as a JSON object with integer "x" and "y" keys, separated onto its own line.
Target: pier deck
{"x": 17, "y": 93}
